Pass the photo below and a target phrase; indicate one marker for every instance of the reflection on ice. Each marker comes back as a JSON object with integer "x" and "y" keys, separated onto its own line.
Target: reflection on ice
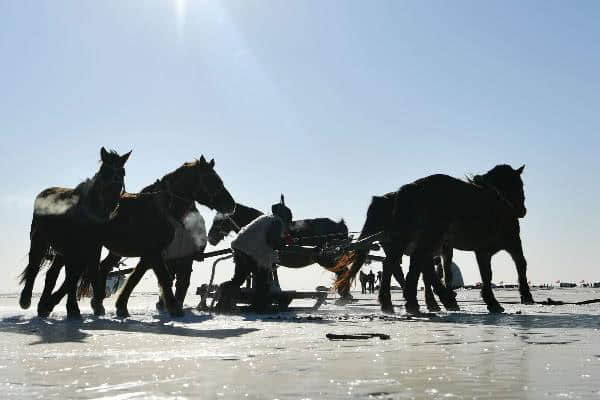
{"x": 543, "y": 351}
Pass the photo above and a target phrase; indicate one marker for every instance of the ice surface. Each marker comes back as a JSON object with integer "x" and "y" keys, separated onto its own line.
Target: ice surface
{"x": 545, "y": 351}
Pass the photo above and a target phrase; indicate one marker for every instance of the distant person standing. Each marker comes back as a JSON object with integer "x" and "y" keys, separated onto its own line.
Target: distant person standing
{"x": 364, "y": 279}
{"x": 371, "y": 282}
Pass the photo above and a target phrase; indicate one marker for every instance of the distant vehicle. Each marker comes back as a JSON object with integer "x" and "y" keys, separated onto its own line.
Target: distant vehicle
{"x": 568, "y": 285}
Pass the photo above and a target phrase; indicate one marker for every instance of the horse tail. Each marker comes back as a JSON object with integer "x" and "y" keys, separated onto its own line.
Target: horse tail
{"x": 39, "y": 250}
{"x": 346, "y": 277}
{"x": 85, "y": 283}
{"x": 377, "y": 215}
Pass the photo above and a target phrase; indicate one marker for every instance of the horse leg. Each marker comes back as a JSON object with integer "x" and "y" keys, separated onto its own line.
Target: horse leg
{"x": 384, "y": 296}
{"x": 183, "y": 274}
{"x": 432, "y": 304}
{"x": 410, "y": 287}
{"x": 73, "y": 275}
{"x": 43, "y": 308}
{"x": 391, "y": 262}
{"x": 172, "y": 266}
{"x": 484, "y": 259}
{"x": 399, "y": 274}
{"x": 165, "y": 280}
{"x": 431, "y": 279}
{"x": 99, "y": 282}
{"x": 132, "y": 281}
{"x": 516, "y": 252}
{"x": 447, "y": 254}
{"x": 37, "y": 251}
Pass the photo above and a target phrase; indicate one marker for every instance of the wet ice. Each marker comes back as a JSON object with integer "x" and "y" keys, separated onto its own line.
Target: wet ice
{"x": 544, "y": 351}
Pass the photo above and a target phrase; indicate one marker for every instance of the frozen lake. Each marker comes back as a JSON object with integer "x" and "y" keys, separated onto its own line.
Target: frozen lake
{"x": 543, "y": 351}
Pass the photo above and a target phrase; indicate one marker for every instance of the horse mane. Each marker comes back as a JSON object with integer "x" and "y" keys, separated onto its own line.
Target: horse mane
{"x": 483, "y": 180}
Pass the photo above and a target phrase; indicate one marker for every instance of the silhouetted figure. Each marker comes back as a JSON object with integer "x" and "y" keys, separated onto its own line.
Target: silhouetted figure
{"x": 371, "y": 282}
{"x": 254, "y": 251}
{"x": 364, "y": 279}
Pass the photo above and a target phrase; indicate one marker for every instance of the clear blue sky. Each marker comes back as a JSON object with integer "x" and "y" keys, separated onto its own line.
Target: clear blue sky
{"x": 328, "y": 102}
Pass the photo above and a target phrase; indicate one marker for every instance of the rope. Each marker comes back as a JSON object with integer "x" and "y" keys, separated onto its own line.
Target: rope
{"x": 235, "y": 225}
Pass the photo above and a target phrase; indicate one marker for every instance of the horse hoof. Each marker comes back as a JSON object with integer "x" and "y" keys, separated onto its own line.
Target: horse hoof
{"x": 412, "y": 309}
{"x": 43, "y": 313}
{"x": 122, "y": 313}
{"x": 25, "y": 302}
{"x": 342, "y": 301}
{"x": 98, "y": 308}
{"x": 73, "y": 316}
{"x": 434, "y": 308}
{"x": 176, "y": 313}
{"x": 100, "y": 311}
{"x": 495, "y": 309}
{"x": 452, "y": 306}
{"x": 527, "y": 300}
{"x": 388, "y": 309}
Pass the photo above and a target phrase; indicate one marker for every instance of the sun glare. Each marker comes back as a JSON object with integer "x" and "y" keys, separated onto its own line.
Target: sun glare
{"x": 180, "y": 10}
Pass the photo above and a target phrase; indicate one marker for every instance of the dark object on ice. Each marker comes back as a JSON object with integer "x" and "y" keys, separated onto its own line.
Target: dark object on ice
{"x": 567, "y": 285}
{"x": 551, "y": 302}
{"x": 480, "y": 215}
{"x": 333, "y": 336}
{"x": 70, "y": 222}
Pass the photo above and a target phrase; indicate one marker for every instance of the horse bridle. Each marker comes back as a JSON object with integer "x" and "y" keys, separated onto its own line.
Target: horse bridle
{"x": 499, "y": 193}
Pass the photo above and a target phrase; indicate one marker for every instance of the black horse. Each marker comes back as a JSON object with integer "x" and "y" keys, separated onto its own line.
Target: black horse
{"x": 70, "y": 222}
{"x": 480, "y": 215}
{"x": 181, "y": 209}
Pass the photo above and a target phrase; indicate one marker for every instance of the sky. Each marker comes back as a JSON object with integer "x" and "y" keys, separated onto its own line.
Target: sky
{"x": 328, "y": 102}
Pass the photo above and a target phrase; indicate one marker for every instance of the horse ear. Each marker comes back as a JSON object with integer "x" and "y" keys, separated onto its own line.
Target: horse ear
{"x": 202, "y": 159}
{"x": 520, "y": 169}
{"x": 212, "y": 163}
{"x": 282, "y": 199}
{"x": 103, "y": 154}
{"x": 123, "y": 159}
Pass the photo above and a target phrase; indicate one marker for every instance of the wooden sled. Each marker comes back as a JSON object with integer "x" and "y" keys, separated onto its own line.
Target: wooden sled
{"x": 280, "y": 301}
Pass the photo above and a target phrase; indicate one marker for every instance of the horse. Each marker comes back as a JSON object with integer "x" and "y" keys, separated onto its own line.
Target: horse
{"x": 70, "y": 222}
{"x": 187, "y": 213}
{"x": 146, "y": 226}
{"x": 480, "y": 214}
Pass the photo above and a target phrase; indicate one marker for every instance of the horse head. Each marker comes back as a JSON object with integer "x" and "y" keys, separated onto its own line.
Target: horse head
{"x": 221, "y": 227}
{"x": 224, "y": 224}
{"x": 509, "y": 185}
{"x": 109, "y": 182}
{"x": 207, "y": 187}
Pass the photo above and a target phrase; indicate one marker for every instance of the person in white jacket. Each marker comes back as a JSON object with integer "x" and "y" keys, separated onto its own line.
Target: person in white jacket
{"x": 255, "y": 250}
